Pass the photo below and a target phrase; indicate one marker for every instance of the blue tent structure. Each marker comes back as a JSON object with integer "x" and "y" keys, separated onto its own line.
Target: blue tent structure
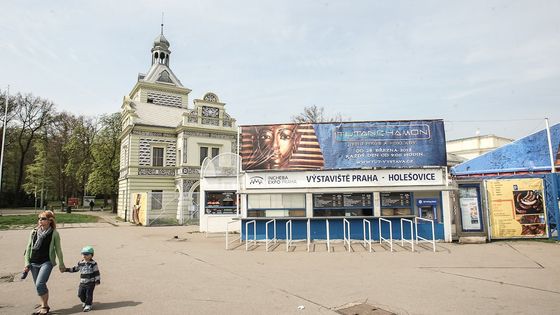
{"x": 526, "y": 157}
{"x": 528, "y": 154}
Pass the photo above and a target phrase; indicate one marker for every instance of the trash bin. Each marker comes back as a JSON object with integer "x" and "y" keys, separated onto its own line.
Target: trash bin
{"x": 69, "y": 209}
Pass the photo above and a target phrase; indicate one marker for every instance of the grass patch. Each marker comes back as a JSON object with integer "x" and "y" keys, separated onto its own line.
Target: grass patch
{"x": 30, "y": 220}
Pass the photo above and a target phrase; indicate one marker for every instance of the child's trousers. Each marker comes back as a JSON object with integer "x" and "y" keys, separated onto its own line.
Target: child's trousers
{"x": 85, "y": 292}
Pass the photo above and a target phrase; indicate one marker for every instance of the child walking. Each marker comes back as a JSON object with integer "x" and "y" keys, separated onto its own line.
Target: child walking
{"x": 89, "y": 277}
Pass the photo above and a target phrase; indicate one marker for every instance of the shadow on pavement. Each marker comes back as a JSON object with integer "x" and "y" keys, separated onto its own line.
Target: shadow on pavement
{"x": 97, "y": 306}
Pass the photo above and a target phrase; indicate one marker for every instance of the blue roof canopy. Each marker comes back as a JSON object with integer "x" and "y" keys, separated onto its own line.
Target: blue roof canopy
{"x": 527, "y": 154}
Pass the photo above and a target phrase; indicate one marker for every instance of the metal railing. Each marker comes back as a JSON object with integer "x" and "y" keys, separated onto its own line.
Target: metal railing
{"x": 403, "y": 240}
{"x": 308, "y": 235}
{"x": 346, "y": 240}
{"x": 273, "y": 240}
{"x": 381, "y": 238}
{"x": 227, "y": 235}
{"x": 289, "y": 238}
{"x": 328, "y": 236}
{"x": 433, "y": 241}
{"x": 254, "y": 223}
{"x": 368, "y": 240}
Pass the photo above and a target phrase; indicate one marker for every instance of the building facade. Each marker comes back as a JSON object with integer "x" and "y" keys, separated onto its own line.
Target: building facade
{"x": 164, "y": 142}
{"x": 328, "y": 181}
{"x": 471, "y": 147}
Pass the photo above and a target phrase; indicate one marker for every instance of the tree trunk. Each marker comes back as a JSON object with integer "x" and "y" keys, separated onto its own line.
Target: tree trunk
{"x": 114, "y": 202}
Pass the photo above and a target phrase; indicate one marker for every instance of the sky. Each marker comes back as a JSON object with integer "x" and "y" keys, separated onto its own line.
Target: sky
{"x": 491, "y": 67}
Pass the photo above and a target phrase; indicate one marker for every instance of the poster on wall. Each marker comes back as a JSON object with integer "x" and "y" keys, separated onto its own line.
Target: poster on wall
{"x": 470, "y": 210}
{"x": 139, "y": 208}
{"x": 348, "y": 145}
{"x": 517, "y": 208}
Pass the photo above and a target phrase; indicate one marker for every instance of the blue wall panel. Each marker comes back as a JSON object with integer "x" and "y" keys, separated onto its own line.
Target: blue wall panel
{"x": 319, "y": 229}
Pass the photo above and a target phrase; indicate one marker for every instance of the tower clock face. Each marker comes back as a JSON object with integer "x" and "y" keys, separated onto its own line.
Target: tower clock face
{"x": 210, "y": 98}
{"x": 210, "y": 111}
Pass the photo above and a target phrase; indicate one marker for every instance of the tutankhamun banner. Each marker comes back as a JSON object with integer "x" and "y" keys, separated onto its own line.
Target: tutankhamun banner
{"x": 348, "y": 145}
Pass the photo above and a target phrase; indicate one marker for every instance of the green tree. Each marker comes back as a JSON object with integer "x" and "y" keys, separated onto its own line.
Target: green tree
{"x": 37, "y": 179}
{"x": 78, "y": 151}
{"x": 32, "y": 115}
{"x": 104, "y": 178}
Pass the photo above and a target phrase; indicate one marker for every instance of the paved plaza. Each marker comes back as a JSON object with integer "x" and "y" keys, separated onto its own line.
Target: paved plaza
{"x": 176, "y": 270}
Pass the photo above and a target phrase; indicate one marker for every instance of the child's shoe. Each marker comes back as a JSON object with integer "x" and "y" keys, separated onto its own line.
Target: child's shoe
{"x": 87, "y": 308}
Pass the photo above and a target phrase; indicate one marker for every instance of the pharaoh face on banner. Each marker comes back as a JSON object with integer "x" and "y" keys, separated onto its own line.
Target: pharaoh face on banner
{"x": 288, "y": 146}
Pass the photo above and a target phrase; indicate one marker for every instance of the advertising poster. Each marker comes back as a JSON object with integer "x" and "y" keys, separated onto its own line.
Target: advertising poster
{"x": 349, "y": 145}
{"x": 139, "y": 208}
{"x": 517, "y": 208}
{"x": 470, "y": 210}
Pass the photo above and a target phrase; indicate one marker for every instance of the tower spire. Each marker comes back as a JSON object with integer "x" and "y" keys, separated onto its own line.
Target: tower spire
{"x": 160, "y": 50}
{"x": 161, "y": 23}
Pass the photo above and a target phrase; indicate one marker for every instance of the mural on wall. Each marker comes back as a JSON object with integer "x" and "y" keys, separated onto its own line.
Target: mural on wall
{"x": 347, "y": 145}
{"x": 139, "y": 208}
{"x": 517, "y": 208}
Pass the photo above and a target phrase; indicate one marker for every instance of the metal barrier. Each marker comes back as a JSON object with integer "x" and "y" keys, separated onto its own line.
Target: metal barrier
{"x": 346, "y": 239}
{"x": 381, "y": 238}
{"x": 288, "y": 235}
{"x": 227, "y": 234}
{"x": 411, "y": 233}
{"x": 328, "y": 236}
{"x": 308, "y": 235}
{"x": 367, "y": 241}
{"x": 433, "y": 241}
{"x": 273, "y": 240}
{"x": 254, "y": 223}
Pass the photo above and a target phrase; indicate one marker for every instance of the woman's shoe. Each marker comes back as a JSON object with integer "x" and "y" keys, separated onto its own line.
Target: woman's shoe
{"x": 44, "y": 310}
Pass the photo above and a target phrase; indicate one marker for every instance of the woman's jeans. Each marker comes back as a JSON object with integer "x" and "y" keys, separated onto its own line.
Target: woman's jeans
{"x": 41, "y": 274}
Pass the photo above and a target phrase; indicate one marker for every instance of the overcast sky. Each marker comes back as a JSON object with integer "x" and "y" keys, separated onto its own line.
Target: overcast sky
{"x": 487, "y": 65}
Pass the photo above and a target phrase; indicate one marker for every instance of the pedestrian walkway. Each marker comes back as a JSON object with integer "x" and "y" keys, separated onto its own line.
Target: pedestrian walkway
{"x": 107, "y": 216}
{"x": 169, "y": 270}
{"x": 84, "y": 225}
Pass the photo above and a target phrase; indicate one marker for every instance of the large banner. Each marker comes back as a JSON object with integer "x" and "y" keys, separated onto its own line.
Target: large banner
{"x": 345, "y": 178}
{"x": 351, "y": 145}
{"x": 517, "y": 208}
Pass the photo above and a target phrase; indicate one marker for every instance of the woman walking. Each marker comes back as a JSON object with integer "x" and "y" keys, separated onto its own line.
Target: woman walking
{"x": 42, "y": 250}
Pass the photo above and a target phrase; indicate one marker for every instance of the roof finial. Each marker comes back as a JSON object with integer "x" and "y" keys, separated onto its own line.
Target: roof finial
{"x": 161, "y": 23}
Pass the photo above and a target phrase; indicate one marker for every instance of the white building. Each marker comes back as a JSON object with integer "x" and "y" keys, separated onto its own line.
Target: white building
{"x": 164, "y": 142}
{"x": 471, "y": 147}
